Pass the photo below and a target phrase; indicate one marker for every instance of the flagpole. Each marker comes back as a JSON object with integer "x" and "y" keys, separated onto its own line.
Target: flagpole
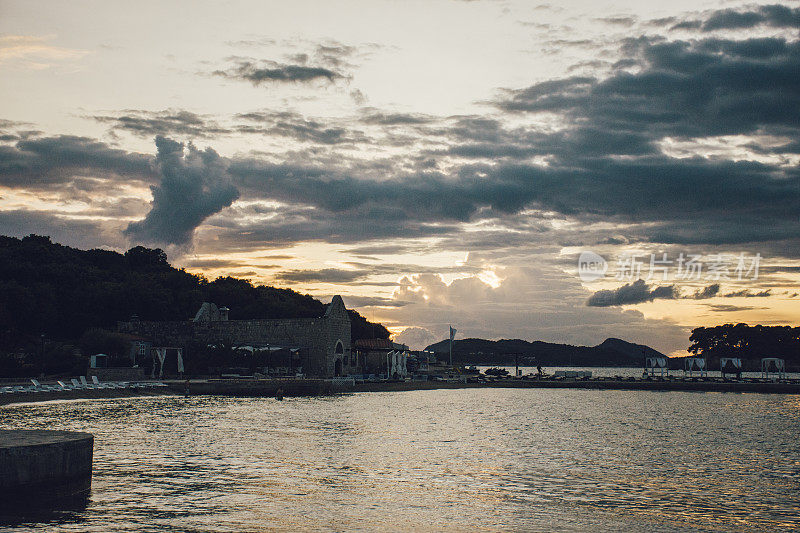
{"x": 451, "y": 347}
{"x": 452, "y": 334}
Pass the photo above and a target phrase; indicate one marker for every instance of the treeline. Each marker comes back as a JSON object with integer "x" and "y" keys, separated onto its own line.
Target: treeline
{"x": 747, "y": 342}
{"x": 51, "y": 295}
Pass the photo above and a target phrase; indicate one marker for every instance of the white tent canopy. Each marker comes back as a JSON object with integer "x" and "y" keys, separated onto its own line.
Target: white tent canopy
{"x": 732, "y": 364}
{"x": 656, "y": 364}
{"x": 694, "y": 364}
{"x": 396, "y": 363}
{"x": 160, "y": 355}
{"x": 773, "y": 365}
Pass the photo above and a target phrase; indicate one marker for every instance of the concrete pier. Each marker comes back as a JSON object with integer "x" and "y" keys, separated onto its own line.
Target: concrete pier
{"x": 39, "y": 467}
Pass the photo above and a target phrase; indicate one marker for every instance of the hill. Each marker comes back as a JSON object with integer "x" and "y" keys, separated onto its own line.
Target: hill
{"x": 61, "y": 292}
{"x": 611, "y": 352}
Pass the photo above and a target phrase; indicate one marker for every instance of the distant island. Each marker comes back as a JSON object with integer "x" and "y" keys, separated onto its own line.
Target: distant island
{"x": 748, "y": 343}
{"x": 611, "y": 352}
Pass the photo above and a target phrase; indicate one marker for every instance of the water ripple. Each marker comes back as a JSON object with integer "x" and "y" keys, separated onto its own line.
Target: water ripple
{"x": 447, "y": 460}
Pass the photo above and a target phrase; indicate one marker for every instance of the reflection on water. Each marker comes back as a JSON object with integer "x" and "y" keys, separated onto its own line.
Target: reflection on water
{"x": 491, "y": 459}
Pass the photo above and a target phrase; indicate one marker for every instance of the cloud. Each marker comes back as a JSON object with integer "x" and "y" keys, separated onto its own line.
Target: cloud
{"x": 81, "y": 232}
{"x": 537, "y": 303}
{"x": 215, "y": 263}
{"x": 416, "y": 338}
{"x": 35, "y": 163}
{"x": 372, "y": 301}
{"x": 776, "y": 16}
{"x": 723, "y": 308}
{"x": 194, "y": 185}
{"x": 324, "y": 275}
{"x": 33, "y": 52}
{"x": 272, "y": 72}
{"x": 376, "y": 116}
{"x": 295, "y": 126}
{"x": 748, "y": 294}
{"x": 680, "y": 88}
{"x": 705, "y": 293}
{"x": 631, "y": 293}
{"x": 166, "y": 122}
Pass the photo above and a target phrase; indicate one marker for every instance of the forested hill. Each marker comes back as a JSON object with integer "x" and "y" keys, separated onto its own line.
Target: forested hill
{"x": 611, "y": 352}
{"x": 58, "y": 291}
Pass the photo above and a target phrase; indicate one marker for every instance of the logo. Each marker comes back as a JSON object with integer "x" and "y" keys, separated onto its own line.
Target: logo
{"x": 591, "y": 266}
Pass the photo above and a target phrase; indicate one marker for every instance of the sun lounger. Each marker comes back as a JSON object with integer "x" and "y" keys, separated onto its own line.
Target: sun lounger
{"x": 76, "y": 384}
{"x": 98, "y": 385}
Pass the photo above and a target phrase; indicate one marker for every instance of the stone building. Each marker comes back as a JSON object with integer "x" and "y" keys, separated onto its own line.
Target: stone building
{"x": 382, "y": 357}
{"x": 322, "y": 344}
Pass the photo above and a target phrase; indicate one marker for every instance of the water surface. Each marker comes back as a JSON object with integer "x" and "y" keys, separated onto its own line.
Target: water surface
{"x": 470, "y": 459}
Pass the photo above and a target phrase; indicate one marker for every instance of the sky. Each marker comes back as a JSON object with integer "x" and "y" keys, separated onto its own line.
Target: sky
{"x": 564, "y": 172}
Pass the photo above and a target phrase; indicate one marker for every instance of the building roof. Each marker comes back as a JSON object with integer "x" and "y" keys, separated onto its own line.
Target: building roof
{"x": 374, "y": 344}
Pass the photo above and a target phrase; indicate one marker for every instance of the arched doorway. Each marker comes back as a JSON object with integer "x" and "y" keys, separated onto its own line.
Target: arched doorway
{"x": 338, "y": 355}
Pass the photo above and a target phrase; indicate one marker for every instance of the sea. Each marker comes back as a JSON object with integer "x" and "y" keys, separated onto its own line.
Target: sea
{"x": 479, "y": 459}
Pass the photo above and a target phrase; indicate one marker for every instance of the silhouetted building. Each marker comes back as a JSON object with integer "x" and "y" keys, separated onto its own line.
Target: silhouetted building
{"x": 320, "y": 345}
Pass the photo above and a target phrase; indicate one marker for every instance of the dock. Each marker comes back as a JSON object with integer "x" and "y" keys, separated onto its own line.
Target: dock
{"x": 41, "y": 468}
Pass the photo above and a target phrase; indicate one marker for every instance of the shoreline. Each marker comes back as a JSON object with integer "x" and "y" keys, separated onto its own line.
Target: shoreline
{"x": 321, "y": 387}
{"x": 82, "y": 394}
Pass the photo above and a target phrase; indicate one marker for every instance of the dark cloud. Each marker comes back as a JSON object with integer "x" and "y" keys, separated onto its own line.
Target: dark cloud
{"x": 271, "y": 72}
{"x": 682, "y": 88}
{"x": 375, "y": 116}
{"x": 706, "y": 293}
{"x": 41, "y": 162}
{"x": 81, "y": 232}
{"x": 631, "y": 293}
{"x": 748, "y": 294}
{"x": 619, "y": 21}
{"x": 324, "y": 275}
{"x": 167, "y": 122}
{"x": 294, "y": 125}
{"x": 723, "y": 308}
{"x": 11, "y": 130}
{"x": 334, "y": 54}
{"x": 670, "y": 194}
{"x": 194, "y": 186}
{"x": 777, "y": 16}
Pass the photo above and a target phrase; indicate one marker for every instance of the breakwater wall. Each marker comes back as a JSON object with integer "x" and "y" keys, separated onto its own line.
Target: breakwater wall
{"x": 39, "y": 467}
{"x": 300, "y": 387}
